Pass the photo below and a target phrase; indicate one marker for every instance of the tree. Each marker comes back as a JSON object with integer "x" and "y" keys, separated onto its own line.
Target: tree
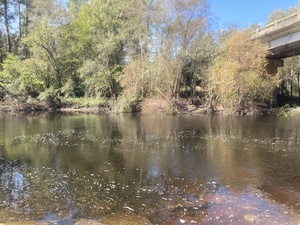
{"x": 187, "y": 24}
{"x": 90, "y": 47}
{"x": 23, "y": 9}
{"x": 45, "y": 41}
{"x": 14, "y": 13}
{"x": 101, "y": 34}
{"x": 279, "y": 14}
{"x": 7, "y": 24}
{"x": 239, "y": 79}
{"x": 171, "y": 47}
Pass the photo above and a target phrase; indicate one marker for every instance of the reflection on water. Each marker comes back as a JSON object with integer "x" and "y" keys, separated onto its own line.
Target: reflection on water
{"x": 149, "y": 170}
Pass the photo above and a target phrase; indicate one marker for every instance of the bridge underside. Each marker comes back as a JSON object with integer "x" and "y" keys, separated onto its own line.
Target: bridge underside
{"x": 281, "y": 47}
{"x": 282, "y": 39}
{"x": 285, "y": 50}
{"x": 282, "y": 42}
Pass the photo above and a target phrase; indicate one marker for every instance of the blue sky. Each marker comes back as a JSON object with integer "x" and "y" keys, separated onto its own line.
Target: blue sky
{"x": 246, "y": 12}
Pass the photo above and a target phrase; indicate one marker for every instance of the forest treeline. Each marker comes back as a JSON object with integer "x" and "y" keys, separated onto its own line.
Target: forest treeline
{"x": 120, "y": 52}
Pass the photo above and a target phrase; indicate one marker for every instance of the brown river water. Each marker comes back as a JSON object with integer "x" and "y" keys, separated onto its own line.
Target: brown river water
{"x": 132, "y": 169}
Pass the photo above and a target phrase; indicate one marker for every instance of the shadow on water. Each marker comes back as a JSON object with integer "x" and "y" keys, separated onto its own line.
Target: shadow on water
{"x": 75, "y": 169}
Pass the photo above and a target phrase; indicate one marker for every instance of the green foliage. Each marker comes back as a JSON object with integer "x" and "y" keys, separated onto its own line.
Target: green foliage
{"x": 73, "y": 88}
{"x": 285, "y": 111}
{"x": 21, "y": 73}
{"x": 124, "y": 51}
{"x": 100, "y": 31}
{"x": 9, "y": 68}
{"x": 30, "y": 85}
{"x": 82, "y": 102}
{"x": 92, "y": 47}
{"x": 51, "y": 98}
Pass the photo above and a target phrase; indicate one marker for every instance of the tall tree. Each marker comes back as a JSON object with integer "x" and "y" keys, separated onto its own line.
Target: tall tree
{"x": 239, "y": 79}
{"x": 172, "y": 38}
{"x": 47, "y": 21}
{"x": 22, "y": 8}
{"x": 7, "y": 24}
{"x": 101, "y": 34}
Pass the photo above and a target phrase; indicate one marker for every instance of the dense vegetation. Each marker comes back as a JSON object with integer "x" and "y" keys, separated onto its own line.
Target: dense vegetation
{"x": 120, "y": 52}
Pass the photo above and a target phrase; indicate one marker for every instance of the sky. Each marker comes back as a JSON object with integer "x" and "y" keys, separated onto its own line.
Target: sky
{"x": 246, "y": 12}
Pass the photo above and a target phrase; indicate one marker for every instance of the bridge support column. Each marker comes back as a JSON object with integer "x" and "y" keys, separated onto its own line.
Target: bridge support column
{"x": 273, "y": 64}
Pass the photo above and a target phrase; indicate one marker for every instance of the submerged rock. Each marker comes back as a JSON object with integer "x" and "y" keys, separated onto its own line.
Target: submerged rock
{"x": 51, "y": 218}
{"x": 250, "y": 218}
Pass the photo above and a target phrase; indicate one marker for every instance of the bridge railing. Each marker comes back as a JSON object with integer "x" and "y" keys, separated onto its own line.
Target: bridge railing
{"x": 277, "y": 24}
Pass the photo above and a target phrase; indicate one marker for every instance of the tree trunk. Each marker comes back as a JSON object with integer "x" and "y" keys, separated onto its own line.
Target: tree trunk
{"x": 26, "y": 19}
{"x": 1, "y": 48}
{"x": 20, "y": 22}
{"x": 6, "y": 23}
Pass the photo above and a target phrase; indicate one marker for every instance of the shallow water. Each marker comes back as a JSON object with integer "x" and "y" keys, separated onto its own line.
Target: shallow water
{"x": 131, "y": 169}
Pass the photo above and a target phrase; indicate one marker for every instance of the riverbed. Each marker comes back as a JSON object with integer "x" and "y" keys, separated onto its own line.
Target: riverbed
{"x": 58, "y": 168}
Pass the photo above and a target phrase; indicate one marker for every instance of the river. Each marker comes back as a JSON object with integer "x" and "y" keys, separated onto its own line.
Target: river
{"x": 131, "y": 169}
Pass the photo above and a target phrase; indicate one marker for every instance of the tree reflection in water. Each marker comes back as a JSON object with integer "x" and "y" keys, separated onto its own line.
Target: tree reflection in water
{"x": 165, "y": 170}
{"x": 14, "y": 187}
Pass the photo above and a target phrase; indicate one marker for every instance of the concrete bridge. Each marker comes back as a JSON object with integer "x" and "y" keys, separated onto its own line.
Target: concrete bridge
{"x": 281, "y": 38}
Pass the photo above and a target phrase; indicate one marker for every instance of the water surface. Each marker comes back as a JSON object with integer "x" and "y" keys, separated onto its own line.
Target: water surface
{"x": 131, "y": 169}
